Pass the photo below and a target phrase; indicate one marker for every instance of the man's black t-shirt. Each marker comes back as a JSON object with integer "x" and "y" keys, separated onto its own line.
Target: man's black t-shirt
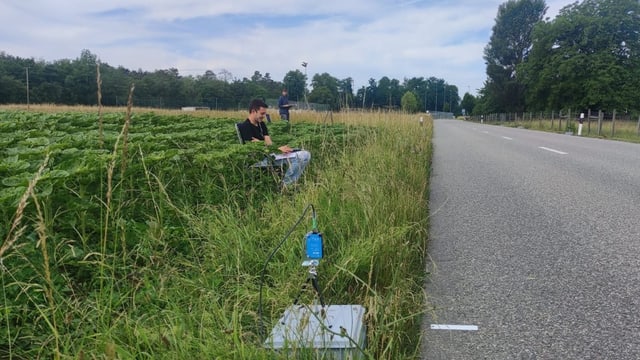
{"x": 248, "y": 131}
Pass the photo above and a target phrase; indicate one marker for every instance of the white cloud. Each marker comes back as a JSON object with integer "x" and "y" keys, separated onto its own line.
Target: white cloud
{"x": 359, "y": 39}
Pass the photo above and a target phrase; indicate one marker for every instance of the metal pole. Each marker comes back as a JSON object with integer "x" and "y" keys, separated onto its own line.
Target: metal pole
{"x": 444, "y": 95}
{"x": 27, "y": 88}
{"x": 304, "y": 65}
{"x": 435, "y": 107}
{"x": 425, "y": 99}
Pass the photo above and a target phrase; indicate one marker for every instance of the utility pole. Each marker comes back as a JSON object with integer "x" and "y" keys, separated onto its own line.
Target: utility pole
{"x": 426, "y": 88}
{"x": 435, "y": 107}
{"x": 364, "y": 96}
{"x": 27, "y": 88}
{"x": 304, "y": 65}
{"x": 444, "y": 95}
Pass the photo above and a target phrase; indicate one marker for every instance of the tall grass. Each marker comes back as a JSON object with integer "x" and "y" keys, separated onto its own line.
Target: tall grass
{"x": 201, "y": 300}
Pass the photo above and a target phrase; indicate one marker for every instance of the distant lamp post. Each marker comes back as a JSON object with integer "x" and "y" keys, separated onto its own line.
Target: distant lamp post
{"x": 435, "y": 107}
{"x": 426, "y": 90}
{"x": 27, "y": 88}
{"x": 304, "y": 65}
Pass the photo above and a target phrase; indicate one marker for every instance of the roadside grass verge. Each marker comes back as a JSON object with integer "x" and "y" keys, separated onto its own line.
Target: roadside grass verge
{"x": 621, "y": 131}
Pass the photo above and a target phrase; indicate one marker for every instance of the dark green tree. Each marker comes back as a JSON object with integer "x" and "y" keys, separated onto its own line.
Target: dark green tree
{"x": 508, "y": 47}
{"x": 213, "y": 92}
{"x": 367, "y": 94}
{"x": 419, "y": 86}
{"x": 450, "y": 99}
{"x": 409, "y": 102}
{"x": 468, "y": 103}
{"x": 80, "y": 84}
{"x": 325, "y": 90}
{"x": 345, "y": 89}
{"x": 587, "y": 57}
{"x": 388, "y": 93}
{"x": 294, "y": 81}
{"x": 162, "y": 88}
{"x": 116, "y": 83}
{"x": 12, "y": 91}
{"x": 272, "y": 88}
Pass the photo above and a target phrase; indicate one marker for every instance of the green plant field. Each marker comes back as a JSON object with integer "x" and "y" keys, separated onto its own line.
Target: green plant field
{"x": 144, "y": 235}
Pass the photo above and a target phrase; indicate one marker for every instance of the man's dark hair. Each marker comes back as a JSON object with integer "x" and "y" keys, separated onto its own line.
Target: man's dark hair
{"x": 256, "y": 104}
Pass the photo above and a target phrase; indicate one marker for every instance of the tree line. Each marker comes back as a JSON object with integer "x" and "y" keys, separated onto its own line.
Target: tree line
{"x": 587, "y": 57}
{"x": 74, "y": 82}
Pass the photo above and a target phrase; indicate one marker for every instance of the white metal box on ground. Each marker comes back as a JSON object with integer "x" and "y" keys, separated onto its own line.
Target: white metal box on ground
{"x": 339, "y": 334}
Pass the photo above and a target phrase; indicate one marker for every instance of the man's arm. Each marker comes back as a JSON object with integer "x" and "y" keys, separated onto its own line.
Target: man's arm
{"x": 285, "y": 149}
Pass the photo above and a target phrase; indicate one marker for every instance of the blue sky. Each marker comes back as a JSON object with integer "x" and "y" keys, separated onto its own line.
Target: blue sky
{"x": 361, "y": 39}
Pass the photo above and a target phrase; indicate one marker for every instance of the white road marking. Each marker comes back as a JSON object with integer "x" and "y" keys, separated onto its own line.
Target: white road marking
{"x": 454, "y": 327}
{"x": 553, "y": 150}
{"x": 507, "y": 138}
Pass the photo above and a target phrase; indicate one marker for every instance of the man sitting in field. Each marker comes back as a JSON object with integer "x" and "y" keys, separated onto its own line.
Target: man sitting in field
{"x": 254, "y": 129}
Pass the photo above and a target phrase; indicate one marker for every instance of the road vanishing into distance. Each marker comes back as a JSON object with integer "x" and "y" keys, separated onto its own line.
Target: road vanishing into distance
{"x": 534, "y": 249}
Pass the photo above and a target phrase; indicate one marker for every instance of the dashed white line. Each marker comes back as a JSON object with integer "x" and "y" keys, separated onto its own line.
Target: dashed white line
{"x": 454, "y": 327}
{"x": 507, "y": 138}
{"x": 553, "y": 150}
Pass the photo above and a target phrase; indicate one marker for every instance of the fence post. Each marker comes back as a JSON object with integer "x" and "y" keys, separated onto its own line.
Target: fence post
{"x": 560, "y": 120}
{"x": 540, "y": 120}
{"x": 613, "y": 124}
{"x": 638, "y": 127}
{"x": 553, "y": 114}
{"x": 600, "y": 115}
{"x": 569, "y": 119}
{"x": 589, "y": 122}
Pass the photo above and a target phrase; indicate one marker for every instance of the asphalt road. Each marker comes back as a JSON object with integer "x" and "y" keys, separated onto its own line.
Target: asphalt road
{"x": 534, "y": 247}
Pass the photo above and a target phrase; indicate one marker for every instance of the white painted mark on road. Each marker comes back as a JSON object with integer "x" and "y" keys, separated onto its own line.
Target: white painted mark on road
{"x": 507, "y": 138}
{"x": 454, "y": 327}
{"x": 553, "y": 150}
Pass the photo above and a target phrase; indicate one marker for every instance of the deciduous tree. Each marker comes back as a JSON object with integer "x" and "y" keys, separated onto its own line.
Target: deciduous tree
{"x": 508, "y": 47}
{"x": 587, "y": 57}
{"x": 294, "y": 81}
{"x": 409, "y": 102}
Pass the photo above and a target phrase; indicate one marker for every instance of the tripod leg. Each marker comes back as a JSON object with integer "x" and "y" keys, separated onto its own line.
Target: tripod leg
{"x": 314, "y": 282}
{"x": 302, "y": 289}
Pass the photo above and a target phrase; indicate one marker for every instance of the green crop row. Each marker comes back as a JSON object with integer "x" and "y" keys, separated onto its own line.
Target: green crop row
{"x": 104, "y": 189}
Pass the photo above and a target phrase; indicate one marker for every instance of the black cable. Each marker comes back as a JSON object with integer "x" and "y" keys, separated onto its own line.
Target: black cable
{"x": 264, "y": 268}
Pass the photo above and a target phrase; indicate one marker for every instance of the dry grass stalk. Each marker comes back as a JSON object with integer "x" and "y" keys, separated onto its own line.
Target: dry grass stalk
{"x": 13, "y": 235}
{"x": 42, "y": 242}
{"x": 125, "y": 130}
{"x": 112, "y": 165}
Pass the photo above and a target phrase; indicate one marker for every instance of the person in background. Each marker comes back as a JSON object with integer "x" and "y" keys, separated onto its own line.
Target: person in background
{"x": 284, "y": 106}
{"x": 254, "y": 129}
